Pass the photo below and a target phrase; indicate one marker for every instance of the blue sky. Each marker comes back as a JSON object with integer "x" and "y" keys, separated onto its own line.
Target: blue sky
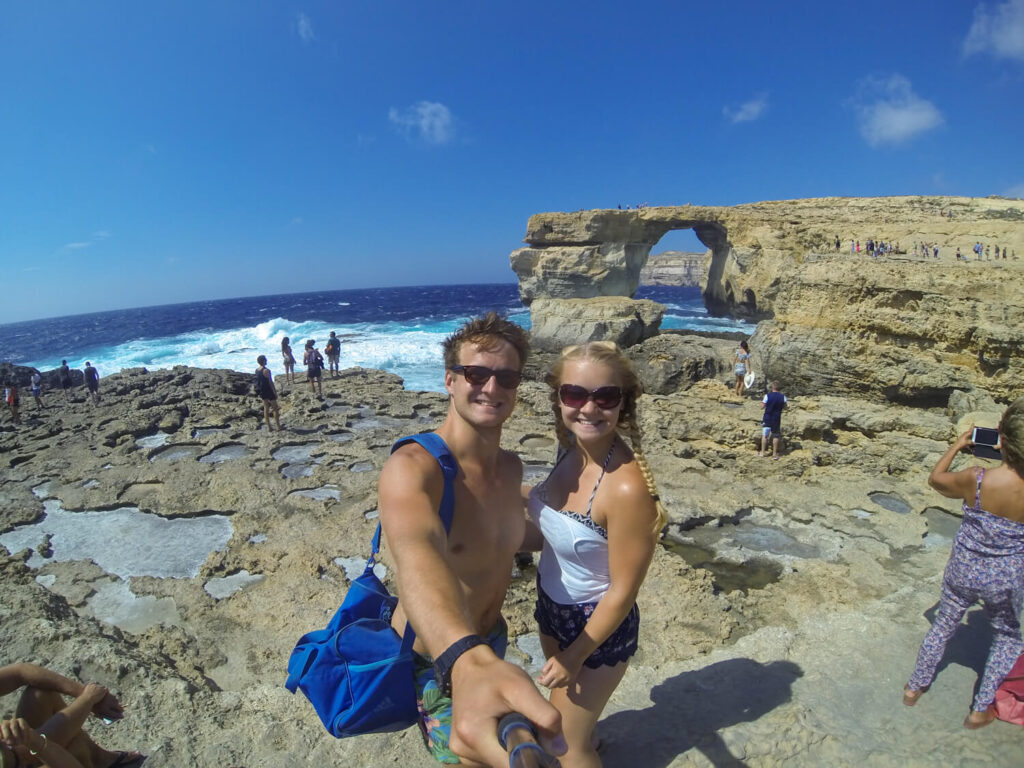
{"x": 161, "y": 152}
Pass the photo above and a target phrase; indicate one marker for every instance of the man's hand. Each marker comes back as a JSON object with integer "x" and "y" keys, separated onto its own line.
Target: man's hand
{"x": 485, "y": 689}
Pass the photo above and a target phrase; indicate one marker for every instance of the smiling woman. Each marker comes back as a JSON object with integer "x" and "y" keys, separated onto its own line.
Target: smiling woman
{"x": 598, "y": 515}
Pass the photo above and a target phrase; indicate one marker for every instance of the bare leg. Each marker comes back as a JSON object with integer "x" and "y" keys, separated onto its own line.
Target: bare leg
{"x": 47, "y": 713}
{"x": 581, "y": 704}
{"x": 764, "y": 444}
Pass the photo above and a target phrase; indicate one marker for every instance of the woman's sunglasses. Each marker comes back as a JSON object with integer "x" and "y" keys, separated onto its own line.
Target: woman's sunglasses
{"x": 478, "y": 375}
{"x": 606, "y": 398}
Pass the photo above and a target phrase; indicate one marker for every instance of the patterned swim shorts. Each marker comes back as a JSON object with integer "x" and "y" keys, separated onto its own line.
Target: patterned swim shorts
{"x": 565, "y": 622}
{"x": 436, "y": 709}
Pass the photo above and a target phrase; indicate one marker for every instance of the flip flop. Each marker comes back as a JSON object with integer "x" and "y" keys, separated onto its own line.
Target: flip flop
{"x": 125, "y": 759}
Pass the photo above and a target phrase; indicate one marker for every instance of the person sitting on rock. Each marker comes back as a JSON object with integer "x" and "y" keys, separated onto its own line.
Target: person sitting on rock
{"x": 48, "y": 731}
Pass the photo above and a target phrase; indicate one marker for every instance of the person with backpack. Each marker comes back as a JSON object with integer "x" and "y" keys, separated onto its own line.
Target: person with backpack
{"x": 314, "y": 363}
{"x": 333, "y": 350}
{"x": 92, "y": 381}
{"x": 263, "y": 383}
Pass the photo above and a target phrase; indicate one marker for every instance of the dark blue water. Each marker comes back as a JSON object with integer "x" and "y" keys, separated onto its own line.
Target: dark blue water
{"x": 395, "y": 329}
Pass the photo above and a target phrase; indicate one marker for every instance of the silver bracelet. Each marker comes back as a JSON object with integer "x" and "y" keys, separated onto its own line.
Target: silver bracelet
{"x": 45, "y": 744}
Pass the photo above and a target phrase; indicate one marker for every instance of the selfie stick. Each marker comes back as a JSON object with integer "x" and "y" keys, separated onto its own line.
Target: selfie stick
{"x": 517, "y": 737}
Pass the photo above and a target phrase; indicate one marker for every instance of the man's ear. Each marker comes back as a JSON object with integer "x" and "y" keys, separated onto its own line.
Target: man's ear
{"x": 449, "y": 381}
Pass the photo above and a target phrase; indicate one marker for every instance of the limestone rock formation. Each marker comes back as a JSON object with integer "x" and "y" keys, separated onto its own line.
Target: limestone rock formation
{"x": 756, "y": 604}
{"x": 902, "y": 328}
{"x": 674, "y": 268}
{"x": 557, "y": 323}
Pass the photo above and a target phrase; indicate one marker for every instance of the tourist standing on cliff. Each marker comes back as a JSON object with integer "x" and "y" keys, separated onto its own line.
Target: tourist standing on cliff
{"x": 740, "y": 366}
{"x": 333, "y": 350}
{"x": 64, "y": 374}
{"x": 986, "y": 564}
{"x": 451, "y": 587}
{"x": 12, "y": 400}
{"x": 92, "y": 381}
{"x": 267, "y": 392}
{"x": 288, "y": 359}
{"x": 314, "y": 363}
{"x": 771, "y": 421}
{"x": 593, "y": 562}
{"x": 37, "y": 389}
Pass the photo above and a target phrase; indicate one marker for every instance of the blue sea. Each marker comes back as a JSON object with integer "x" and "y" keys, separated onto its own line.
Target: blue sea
{"x": 393, "y": 329}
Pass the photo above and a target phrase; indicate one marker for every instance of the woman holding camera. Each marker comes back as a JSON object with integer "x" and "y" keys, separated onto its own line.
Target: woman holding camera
{"x": 986, "y": 564}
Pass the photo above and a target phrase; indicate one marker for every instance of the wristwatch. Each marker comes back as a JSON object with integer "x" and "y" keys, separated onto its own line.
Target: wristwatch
{"x": 443, "y": 664}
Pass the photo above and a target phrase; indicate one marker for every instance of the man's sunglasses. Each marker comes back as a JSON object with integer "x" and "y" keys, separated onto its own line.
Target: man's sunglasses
{"x": 478, "y": 375}
{"x": 576, "y": 397}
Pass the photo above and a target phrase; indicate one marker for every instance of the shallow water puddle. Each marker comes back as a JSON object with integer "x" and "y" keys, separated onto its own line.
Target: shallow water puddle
{"x": 176, "y": 452}
{"x": 535, "y": 473}
{"x": 115, "y": 603}
{"x": 361, "y": 466}
{"x": 300, "y": 462}
{"x": 153, "y": 441}
{"x": 727, "y": 577}
{"x": 125, "y": 542}
{"x": 340, "y": 437}
{"x": 227, "y": 452}
{"x": 220, "y": 587}
{"x": 294, "y": 452}
{"x": 941, "y": 523}
{"x": 890, "y": 501}
{"x": 323, "y": 493}
{"x": 200, "y": 432}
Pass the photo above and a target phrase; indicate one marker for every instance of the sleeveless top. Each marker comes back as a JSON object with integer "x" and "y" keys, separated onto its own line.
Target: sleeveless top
{"x": 574, "y": 561}
{"x": 986, "y": 534}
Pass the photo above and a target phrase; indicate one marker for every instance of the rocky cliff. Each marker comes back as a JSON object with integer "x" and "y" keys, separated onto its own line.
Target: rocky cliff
{"x": 674, "y": 268}
{"x": 898, "y": 327}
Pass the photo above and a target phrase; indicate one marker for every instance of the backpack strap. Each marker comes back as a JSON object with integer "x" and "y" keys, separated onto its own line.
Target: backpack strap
{"x": 437, "y": 448}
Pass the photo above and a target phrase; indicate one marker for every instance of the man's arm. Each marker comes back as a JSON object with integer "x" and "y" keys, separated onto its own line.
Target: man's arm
{"x": 484, "y": 688}
{"x": 409, "y": 496}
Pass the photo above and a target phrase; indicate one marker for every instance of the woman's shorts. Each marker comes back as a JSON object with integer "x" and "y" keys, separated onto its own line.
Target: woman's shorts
{"x": 740, "y": 369}
{"x": 566, "y": 622}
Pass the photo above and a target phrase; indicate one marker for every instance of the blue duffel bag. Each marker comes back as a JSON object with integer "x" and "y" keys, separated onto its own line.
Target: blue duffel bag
{"x": 357, "y": 672}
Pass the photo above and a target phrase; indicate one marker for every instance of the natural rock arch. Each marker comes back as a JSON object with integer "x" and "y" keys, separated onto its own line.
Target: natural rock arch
{"x": 831, "y": 321}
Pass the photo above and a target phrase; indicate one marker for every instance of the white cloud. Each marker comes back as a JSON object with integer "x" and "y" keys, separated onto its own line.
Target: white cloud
{"x": 430, "y": 120}
{"x": 1017, "y": 190}
{"x": 891, "y": 113}
{"x": 76, "y": 246}
{"x": 305, "y": 27}
{"x": 101, "y": 234}
{"x": 748, "y": 110}
{"x": 999, "y": 31}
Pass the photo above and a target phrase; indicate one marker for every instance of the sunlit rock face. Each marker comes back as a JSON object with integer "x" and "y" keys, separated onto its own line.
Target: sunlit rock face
{"x": 902, "y": 328}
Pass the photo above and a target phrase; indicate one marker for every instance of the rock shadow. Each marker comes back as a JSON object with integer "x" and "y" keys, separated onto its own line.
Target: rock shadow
{"x": 689, "y": 710}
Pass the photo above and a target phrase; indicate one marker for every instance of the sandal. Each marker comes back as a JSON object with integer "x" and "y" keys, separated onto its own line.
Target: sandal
{"x": 910, "y": 697}
{"x": 977, "y": 720}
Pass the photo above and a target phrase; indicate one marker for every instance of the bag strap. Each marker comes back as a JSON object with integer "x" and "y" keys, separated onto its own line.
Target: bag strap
{"x": 449, "y": 468}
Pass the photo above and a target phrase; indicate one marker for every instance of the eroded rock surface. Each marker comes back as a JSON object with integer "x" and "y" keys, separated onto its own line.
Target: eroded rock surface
{"x": 779, "y": 621}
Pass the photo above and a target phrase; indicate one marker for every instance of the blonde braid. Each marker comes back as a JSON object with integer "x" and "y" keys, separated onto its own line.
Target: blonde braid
{"x": 661, "y": 516}
{"x": 561, "y": 431}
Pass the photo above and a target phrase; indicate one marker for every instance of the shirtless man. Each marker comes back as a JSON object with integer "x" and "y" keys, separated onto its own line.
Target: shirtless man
{"x": 451, "y": 588}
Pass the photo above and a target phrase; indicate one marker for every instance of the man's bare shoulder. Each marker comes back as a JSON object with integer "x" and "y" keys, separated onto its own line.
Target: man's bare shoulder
{"x": 411, "y": 465}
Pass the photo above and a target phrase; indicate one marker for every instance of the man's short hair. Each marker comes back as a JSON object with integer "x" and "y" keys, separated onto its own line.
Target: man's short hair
{"x": 262, "y": 359}
{"x": 485, "y": 332}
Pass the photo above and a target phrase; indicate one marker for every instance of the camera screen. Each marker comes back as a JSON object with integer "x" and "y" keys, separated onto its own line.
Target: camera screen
{"x": 985, "y": 436}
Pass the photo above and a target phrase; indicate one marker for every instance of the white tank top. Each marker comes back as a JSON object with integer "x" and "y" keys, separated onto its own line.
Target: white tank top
{"x": 574, "y": 561}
